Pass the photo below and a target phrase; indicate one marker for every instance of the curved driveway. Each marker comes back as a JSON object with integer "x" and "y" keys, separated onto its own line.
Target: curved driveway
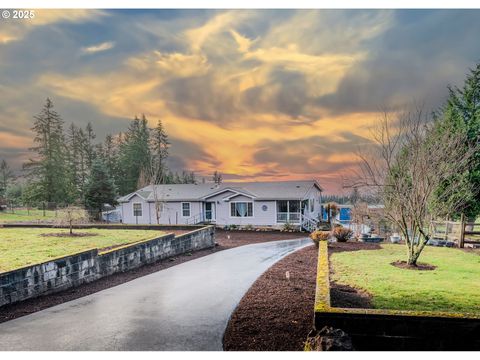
{"x": 185, "y": 307}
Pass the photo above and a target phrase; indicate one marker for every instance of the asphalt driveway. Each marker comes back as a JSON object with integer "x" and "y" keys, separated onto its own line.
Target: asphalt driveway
{"x": 185, "y": 307}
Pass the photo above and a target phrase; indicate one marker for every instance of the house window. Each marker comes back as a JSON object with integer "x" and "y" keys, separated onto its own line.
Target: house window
{"x": 288, "y": 211}
{"x": 241, "y": 209}
{"x": 137, "y": 209}
{"x": 186, "y": 209}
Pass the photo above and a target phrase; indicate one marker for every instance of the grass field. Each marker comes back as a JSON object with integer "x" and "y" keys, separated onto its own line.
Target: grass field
{"x": 22, "y": 215}
{"x": 454, "y": 286}
{"x": 25, "y": 246}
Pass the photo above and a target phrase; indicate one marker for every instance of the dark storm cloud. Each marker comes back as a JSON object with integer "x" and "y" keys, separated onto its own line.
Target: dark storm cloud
{"x": 415, "y": 59}
{"x": 296, "y": 154}
{"x": 199, "y": 97}
{"x": 183, "y": 151}
{"x": 202, "y": 97}
{"x": 288, "y": 97}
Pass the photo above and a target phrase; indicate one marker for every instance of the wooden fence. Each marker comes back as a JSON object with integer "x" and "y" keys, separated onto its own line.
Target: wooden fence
{"x": 461, "y": 232}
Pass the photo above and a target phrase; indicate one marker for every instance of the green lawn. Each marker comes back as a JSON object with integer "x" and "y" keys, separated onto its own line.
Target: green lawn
{"x": 25, "y": 246}
{"x": 454, "y": 286}
{"x": 22, "y": 215}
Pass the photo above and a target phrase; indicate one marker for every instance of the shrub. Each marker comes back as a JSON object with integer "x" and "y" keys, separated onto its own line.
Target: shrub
{"x": 342, "y": 234}
{"x": 287, "y": 227}
{"x": 319, "y": 235}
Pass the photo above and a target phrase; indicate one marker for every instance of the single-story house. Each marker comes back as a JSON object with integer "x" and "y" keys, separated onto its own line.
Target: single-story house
{"x": 271, "y": 204}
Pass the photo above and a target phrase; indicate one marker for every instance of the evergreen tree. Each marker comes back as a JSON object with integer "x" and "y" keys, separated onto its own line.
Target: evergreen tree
{"x": 49, "y": 167}
{"x": 462, "y": 113}
{"x": 89, "y": 146}
{"x": 188, "y": 177}
{"x": 74, "y": 151}
{"x": 6, "y": 175}
{"x": 159, "y": 152}
{"x": 134, "y": 154}
{"x": 177, "y": 179}
{"x": 217, "y": 177}
{"x": 99, "y": 189}
{"x": 109, "y": 153}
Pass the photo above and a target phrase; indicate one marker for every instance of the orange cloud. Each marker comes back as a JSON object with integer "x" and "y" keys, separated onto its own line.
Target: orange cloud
{"x": 9, "y": 140}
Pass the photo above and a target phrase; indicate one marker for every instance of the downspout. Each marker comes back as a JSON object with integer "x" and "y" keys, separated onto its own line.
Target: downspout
{"x": 149, "y": 213}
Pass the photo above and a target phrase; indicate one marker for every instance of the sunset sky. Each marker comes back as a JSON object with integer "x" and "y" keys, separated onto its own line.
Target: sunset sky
{"x": 265, "y": 95}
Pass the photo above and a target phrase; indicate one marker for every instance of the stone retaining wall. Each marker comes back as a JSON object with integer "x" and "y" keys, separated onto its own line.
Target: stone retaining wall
{"x": 387, "y": 330}
{"x": 70, "y": 271}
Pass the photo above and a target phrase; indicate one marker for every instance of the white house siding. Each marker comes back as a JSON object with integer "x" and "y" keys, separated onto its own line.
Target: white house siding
{"x": 172, "y": 213}
{"x": 127, "y": 211}
{"x": 314, "y": 195}
{"x": 260, "y": 217}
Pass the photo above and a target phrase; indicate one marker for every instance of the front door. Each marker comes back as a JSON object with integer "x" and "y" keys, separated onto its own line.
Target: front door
{"x": 209, "y": 211}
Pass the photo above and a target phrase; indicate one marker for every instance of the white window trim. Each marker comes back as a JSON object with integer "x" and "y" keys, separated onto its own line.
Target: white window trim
{"x": 241, "y": 217}
{"x": 189, "y": 209}
{"x": 133, "y": 209}
{"x": 288, "y": 210}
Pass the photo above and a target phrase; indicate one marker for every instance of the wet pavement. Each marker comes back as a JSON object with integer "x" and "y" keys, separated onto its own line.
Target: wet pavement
{"x": 185, "y": 307}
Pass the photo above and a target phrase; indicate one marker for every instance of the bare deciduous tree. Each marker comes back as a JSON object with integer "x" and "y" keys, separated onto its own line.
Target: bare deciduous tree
{"x": 412, "y": 157}
{"x": 72, "y": 215}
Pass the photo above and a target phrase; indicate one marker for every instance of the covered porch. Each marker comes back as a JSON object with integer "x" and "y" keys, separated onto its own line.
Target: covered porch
{"x": 289, "y": 211}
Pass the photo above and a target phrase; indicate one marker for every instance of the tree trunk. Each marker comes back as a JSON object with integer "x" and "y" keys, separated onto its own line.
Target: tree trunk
{"x": 412, "y": 260}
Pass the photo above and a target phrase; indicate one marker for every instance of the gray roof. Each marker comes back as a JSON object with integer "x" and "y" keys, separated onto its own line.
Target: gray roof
{"x": 271, "y": 190}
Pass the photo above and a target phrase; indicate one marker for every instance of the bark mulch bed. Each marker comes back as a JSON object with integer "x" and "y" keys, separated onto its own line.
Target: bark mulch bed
{"x": 276, "y": 314}
{"x": 75, "y": 234}
{"x": 237, "y": 238}
{"x": 230, "y": 239}
{"x": 419, "y": 266}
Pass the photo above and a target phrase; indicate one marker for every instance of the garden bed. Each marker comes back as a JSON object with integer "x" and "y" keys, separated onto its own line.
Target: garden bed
{"x": 276, "y": 313}
{"x": 229, "y": 239}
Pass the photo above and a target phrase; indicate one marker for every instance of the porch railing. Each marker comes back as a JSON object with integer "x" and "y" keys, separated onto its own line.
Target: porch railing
{"x": 293, "y": 217}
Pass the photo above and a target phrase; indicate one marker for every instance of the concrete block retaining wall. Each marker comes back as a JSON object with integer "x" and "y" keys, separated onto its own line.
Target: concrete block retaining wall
{"x": 73, "y": 270}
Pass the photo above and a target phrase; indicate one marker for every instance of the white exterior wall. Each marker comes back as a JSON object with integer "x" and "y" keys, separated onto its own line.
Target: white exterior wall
{"x": 260, "y": 217}
{"x": 314, "y": 195}
{"x": 127, "y": 211}
{"x": 172, "y": 213}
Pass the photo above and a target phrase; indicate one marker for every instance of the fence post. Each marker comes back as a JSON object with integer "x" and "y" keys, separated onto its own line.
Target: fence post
{"x": 446, "y": 229}
{"x": 462, "y": 231}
